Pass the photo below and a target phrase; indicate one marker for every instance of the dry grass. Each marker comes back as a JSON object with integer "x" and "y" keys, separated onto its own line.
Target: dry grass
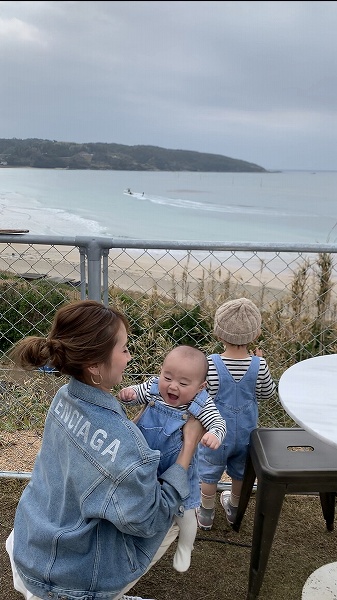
{"x": 220, "y": 560}
{"x": 18, "y": 450}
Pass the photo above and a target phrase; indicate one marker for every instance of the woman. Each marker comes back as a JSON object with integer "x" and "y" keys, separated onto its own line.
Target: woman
{"x": 93, "y": 517}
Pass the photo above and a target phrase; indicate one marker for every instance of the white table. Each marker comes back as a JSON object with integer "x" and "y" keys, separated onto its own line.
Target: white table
{"x": 308, "y": 393}
{"x": 321, "y": 584}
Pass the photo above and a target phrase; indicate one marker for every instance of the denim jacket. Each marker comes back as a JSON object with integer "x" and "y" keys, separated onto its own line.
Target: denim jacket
{"x": 93, "y": 513}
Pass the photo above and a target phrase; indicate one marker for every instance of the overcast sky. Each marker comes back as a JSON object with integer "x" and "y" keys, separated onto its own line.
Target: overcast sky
{"x": 256, "y": 81}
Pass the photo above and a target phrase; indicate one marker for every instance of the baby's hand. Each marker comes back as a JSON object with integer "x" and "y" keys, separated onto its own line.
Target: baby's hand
{"x": 210, "y": 440}
{"x": 127, "y": 394}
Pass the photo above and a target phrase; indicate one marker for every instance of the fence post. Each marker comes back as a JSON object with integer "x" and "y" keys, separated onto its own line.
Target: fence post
{"x": 94, "y": 256}
{"x": 105, "y": 276}
{"x": 83, "y": 277}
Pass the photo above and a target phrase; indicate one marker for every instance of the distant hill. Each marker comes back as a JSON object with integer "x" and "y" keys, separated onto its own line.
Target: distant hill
{"x": 51, "y": 154}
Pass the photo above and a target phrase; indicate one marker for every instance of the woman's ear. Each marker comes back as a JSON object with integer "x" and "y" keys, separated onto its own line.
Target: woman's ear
{"x": 93, "y": 369}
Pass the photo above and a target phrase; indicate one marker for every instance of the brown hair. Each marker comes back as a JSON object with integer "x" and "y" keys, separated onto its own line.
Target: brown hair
{"x": 82, "y": 333}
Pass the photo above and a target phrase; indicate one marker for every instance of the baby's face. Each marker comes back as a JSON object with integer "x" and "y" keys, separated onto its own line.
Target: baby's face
{"x": 179, "y": 381}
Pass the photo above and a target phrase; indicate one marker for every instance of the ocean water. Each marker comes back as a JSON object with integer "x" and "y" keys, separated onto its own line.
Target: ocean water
{"x": 284, "y": 207}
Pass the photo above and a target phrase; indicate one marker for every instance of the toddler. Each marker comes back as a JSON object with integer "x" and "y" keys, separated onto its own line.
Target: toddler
{"x": 236, "y": 380}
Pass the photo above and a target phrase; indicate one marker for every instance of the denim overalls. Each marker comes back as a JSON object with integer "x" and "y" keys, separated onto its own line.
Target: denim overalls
{"x": 161, "y": 426}
{"x": 237, "y": 404}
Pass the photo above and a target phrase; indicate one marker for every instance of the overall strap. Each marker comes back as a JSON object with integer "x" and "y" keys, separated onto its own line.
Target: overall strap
{"x": 198, "y": 403}
{"x": 154, "y": 389}
{"x": 221, "y": 368}
{"x": 253, "y": 369}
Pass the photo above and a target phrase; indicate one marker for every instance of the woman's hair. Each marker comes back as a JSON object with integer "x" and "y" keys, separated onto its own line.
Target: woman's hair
{"x": 83, "y": 333}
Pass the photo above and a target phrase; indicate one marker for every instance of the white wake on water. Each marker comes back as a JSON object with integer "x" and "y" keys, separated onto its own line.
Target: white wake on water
{"x": 216, "y": 208}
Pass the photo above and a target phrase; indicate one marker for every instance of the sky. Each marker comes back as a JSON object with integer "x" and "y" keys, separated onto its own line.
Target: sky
{"x": 254, "y": 81}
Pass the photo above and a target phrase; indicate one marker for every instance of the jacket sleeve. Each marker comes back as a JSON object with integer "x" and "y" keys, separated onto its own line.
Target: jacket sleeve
{"x": 137, "y": 502}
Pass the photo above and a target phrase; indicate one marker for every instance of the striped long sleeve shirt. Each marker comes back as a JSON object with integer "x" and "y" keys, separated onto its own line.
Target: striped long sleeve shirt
{"x": 209, "y": 416}
{"x": 265, "y": 386}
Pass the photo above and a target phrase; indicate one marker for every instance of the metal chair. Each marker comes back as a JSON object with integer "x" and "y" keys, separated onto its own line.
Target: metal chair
{"x": 284, "y": 461}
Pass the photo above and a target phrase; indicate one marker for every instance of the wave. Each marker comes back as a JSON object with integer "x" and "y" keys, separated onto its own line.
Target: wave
{"x": 220, "y": 208}
{"x": 15, "y": 213}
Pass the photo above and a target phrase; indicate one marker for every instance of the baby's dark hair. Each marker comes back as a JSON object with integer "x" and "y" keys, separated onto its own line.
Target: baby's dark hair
{"x": 197, "y": 355}
{"x": 82, "y": 333}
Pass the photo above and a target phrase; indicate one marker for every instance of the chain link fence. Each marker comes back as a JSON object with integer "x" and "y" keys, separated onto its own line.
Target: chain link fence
{"x": 169, "y": 292}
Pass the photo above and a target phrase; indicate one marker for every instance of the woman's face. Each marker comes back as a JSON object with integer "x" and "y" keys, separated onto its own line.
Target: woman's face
{"x": 110, "y": 374}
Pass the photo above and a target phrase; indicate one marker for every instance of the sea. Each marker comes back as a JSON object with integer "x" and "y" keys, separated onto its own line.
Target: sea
{"x": 273, "y": 207}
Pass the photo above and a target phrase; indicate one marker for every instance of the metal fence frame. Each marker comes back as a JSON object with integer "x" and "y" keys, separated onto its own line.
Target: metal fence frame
{"x": 94, "y": 253}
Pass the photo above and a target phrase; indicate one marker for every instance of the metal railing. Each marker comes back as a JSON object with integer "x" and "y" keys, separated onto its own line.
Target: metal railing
{"x": 169, "y": 291}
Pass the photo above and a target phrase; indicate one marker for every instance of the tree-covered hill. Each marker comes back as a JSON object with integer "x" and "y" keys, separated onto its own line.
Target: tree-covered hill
{"x": 51, "y": 154}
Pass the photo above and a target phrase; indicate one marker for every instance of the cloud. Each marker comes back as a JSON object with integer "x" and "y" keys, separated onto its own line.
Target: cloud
{"x": 250, "y": 80}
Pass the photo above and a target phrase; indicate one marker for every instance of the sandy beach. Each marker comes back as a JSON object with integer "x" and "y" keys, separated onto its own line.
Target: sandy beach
{"x": 63, "y": 261}
{"x": 173, "y": 272}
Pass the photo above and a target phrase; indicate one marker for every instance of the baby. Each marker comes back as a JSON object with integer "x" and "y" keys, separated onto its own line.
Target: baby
{"x": 169, "y": 400}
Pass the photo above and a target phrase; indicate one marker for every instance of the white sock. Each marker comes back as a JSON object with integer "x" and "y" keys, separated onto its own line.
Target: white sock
{"x": 234, "y": 500}
{"x": 207, "y": 501}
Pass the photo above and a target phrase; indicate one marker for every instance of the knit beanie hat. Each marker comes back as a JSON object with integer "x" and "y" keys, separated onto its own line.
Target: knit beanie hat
{"x": 237, "y": 322}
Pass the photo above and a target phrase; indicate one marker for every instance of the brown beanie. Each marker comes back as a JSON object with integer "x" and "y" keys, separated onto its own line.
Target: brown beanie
{"x": 237, "y": 322}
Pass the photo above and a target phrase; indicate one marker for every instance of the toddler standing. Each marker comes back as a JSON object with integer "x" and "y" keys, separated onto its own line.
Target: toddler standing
{"x": 237, "y": 380}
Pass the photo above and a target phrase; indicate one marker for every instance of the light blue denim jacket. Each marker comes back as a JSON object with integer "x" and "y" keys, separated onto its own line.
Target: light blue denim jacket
{"x": 93, "y": 514}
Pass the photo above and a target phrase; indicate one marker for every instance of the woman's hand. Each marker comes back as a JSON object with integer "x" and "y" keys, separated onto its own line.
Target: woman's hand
{"x": 192, "y": 434}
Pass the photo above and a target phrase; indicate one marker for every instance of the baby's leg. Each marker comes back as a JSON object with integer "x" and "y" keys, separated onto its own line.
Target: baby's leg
{"x": 187, "y": 531}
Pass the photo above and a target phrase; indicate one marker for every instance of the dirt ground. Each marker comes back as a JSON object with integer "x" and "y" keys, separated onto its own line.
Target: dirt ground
{"x": 220, "y": 560}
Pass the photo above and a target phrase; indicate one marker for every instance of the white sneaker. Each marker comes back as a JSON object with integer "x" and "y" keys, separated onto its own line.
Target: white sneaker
{"x": 229, "y": 509}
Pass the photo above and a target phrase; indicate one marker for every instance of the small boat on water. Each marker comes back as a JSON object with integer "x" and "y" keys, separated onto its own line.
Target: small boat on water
{"x": 135, "y": 194}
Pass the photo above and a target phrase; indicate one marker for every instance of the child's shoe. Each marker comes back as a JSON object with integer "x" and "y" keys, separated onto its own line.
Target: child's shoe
{"x": 205, "y": 517}
{"x": 229, "y": 509}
